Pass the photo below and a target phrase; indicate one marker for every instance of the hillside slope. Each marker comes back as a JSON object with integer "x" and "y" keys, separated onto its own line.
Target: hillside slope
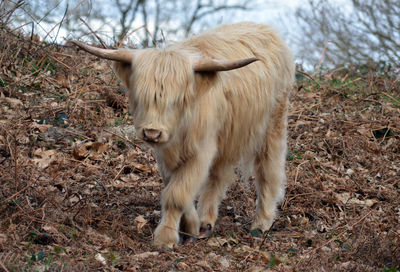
{"x": 78, "y": 192}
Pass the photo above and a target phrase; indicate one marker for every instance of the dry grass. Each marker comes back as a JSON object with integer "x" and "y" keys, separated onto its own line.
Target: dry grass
{"x": 78, "y": 192}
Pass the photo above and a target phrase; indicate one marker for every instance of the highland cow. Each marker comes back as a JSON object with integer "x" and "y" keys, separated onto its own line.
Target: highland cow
{"x": 204, "y": 105}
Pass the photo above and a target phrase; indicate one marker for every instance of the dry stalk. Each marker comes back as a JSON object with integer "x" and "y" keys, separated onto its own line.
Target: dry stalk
{"x": 15, "y": 157}
{"x": 391, "y": 97}
{"x": 65, "y": 18}
{"x": 62, "y": 63}
{"x": 16, "y": 194}
{"x": 93, "y": 32}
{"x": 127, "y": 35}
{"x": 3, "y": 266}
{"x": 11, "y": 12}
{"x": 117, "y": 175}
{"x": 132, "y": 144}
{"x": 339, "y": 235}
{"x": 305, "y": 74}
{"x": 322, "y": 57}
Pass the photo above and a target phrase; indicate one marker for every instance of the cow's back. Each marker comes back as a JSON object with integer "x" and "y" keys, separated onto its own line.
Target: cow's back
{"x": 241, "y": 101}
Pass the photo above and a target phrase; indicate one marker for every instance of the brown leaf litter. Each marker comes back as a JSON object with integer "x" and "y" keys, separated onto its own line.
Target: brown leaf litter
{"x": 77, "y": 193}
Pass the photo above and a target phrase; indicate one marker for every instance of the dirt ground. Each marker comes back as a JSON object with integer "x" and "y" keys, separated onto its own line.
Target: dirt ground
{"x": 78, "y": 192}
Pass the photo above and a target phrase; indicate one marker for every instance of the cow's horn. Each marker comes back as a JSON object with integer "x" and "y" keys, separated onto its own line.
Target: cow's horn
{"x": 122, "y": 55}
{"x": 212, "y": 65}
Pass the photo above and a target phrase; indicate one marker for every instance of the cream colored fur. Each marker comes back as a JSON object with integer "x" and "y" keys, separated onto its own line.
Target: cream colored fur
{"x": 211, "y": 121}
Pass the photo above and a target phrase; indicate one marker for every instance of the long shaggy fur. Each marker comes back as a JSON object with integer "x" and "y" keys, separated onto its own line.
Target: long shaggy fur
{"x": 211, "y": 121}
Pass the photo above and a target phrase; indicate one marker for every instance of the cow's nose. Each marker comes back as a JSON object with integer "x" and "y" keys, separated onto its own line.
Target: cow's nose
{"x": 151, "y": 135}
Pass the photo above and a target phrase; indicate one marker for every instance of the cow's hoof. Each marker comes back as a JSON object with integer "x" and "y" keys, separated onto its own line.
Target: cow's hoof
{"x": 261, "y": 224}
{"x": 205, "y": 231}
{"x": 164, "y": 246}
{"x": 165, "y": 237}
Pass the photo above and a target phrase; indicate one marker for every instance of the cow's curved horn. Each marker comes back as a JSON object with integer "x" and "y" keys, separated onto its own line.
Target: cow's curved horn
{"x": 212, "y": 65}
{"x": 122, "y": 55}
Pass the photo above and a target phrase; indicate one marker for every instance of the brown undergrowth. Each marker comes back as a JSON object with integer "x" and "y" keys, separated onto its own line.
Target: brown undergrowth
{"x": 78, "y": 192}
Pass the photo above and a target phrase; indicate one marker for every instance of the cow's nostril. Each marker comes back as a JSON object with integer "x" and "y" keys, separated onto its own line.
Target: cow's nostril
{"x": 151, "y": 135}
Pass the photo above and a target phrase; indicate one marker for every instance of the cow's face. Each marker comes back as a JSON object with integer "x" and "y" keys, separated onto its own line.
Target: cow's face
{"x": 161, "y": 85}
{"x": 160, "y": 92}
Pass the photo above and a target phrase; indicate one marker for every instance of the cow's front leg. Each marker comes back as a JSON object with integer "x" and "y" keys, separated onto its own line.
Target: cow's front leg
{"x": 166, "y": 234}
{"x": 190, "y": 223}
{"x": 178, "y": 196}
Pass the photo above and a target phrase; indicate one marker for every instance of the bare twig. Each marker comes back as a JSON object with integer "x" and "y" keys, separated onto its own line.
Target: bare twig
{"x": 64, "y": 18}
{"x": 59, "y": 27}
{"x": 121, "y": 41}
{"x": 15, "y": 161}
{"x": 305, "y": 74}
{"x": 3, "y": 266}
{"x": 322, "y": 57}
{"x": 122, "y": 138}
{"x": 93, "y": 32}
{"x": 118, "y": 174}
{"x": 391, "y": 97}
{"x": 11, "y": 12}
{"x": 335, "y": 237}
{"x": 17, "y": 193}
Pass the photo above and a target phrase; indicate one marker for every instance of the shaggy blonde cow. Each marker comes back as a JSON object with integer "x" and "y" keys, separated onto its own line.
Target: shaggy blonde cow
{"x": 206, "y": 104}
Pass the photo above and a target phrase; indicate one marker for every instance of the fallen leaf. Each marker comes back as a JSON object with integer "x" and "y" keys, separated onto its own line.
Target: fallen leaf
{"x": 224, "y": 262}
{"x": 74, "y": 200}
{"x": 91, "y": 149}
{"x": 3, "y": 238}
{"x": 367, "y": 202}
{"x": 349, "y": 171}
{"x": 216, "y": 242}
{"x": 100, "y": 258}
{"x": 98, "y": 147}
{"x": 183, "y": 266}
{"x": 98, "y": 236}
{"x": 246, "y": 249}
{"x": 257, "y": 269}
{"x": 43, "y": 158}
{"x": 370, "y": 202}
{"x": 140, "y": 222}
{"x": 40, "y": 127}
{"x": 310, "y": 95}
{"x": 80, "y": 152}
{"x": 13, "y": 102}
{"x": 142, "y": 167}
{"x": 145, "y": 255}
{"x": 50, "y": 229}
{"x": 266, "y": 257}
{"x": 343, "y": 197}
{"x": 2, "y": 139}
{"x": 222, "y": 242}
{"x": 205, "y": 265}
{"x": 363, "y": 131}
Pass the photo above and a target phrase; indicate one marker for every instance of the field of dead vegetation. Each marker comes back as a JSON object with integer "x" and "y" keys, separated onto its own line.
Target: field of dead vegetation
{"x": 78, "y": 192}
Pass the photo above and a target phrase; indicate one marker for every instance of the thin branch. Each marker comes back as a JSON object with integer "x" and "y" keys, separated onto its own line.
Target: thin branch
{"x": 69, "y": 15}
{"x": 93, "y": 32}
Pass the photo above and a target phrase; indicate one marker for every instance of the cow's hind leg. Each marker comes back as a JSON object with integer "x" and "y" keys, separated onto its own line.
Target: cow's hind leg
{"x": 221, "y": 176}
{"x": 269, "y": 169}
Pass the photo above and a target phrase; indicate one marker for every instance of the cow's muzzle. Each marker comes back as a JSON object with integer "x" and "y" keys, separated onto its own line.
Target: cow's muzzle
{"x": 152, "y": 135}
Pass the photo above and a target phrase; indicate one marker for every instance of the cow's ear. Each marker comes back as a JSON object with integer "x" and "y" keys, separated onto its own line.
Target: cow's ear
{"x": 123, "y": 71}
